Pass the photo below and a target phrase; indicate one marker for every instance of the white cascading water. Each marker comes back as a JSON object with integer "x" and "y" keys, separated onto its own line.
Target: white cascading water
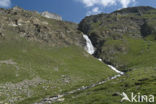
{"x": 90, "y": 49}
{"x": 113, "y": 68}
{"x": 89, "y": 46}
{"x": 100, "y": 60}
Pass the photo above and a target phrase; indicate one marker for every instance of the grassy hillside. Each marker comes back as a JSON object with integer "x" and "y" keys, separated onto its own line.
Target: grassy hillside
{"x": 42, "y": 57}
{"x": 32, "y": 69}
{"x": 140, "y": 77}
{"x": 141, "y": 80}
{"x": 124, "y": 38}
{"x": 132, "y": 53}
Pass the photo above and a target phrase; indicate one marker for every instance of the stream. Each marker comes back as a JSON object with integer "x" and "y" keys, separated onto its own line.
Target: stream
{"x": 60, "y": 97}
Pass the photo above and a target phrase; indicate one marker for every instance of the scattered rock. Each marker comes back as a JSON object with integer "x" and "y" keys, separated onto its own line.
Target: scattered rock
{"x": 61, "y": 99}
{"x": 2, "y": 35}
{"x": 8, "y": 62}
{"x": 51, "y": 15}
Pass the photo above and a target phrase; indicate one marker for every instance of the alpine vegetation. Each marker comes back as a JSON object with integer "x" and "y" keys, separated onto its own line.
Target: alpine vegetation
{"x": 46, "y": 60}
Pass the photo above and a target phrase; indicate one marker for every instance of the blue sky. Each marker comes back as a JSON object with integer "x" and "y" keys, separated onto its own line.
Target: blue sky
{"x": 75, "y": 10}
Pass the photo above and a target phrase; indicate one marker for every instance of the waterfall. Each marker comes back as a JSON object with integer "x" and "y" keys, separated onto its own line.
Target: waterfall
{"x": 100, "y": 60}
{"x": 89, "y": 46}
{"x": 90, "y": 49}
{"x": 113, "y": 68}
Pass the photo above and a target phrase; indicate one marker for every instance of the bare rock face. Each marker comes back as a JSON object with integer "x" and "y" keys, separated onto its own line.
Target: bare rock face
{"x": 51, "y": 15}
{"x": 16, "y": 8}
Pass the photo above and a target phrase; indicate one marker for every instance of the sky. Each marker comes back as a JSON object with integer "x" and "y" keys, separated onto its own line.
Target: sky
{"x": 75, "y": 10}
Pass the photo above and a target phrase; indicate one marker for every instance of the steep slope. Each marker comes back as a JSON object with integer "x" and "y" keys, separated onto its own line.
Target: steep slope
{"x": 126, "y": 39}
{"x": 123, "y": 37}
{"x": 33, "y": 26}
{"x": 41, "y": 57}
{"x": 138, "y": 60}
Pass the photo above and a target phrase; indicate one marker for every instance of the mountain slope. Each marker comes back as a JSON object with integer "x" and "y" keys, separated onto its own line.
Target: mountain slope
{"x": 42, "y": 57}
{"x": 124, "y": 38}
{"x": 140, "y": 81}
{"x": 33, "y": 26}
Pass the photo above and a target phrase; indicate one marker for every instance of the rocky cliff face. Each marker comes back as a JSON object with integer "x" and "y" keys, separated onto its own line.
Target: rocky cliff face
{"x": 130, "y": 23}
{"x": 51, "y": 15}
{"x": 32, "y": 26}
{"x": 127, "y": 22}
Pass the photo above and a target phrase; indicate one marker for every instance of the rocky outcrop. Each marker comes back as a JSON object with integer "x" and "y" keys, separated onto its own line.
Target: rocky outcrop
{"x": 51, "y": 15}
{"x": 31, "y": 26}
{"x": 105, "y": 30}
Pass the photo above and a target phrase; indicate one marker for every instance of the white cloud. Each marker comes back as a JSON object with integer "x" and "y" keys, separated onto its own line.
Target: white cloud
{"x": 95, "y": 10}
{"x": 5, "y": 3}
{"x": 105, "y": 3}
{"x": 96, "y": 6}
{"x": 125, "y": 3}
